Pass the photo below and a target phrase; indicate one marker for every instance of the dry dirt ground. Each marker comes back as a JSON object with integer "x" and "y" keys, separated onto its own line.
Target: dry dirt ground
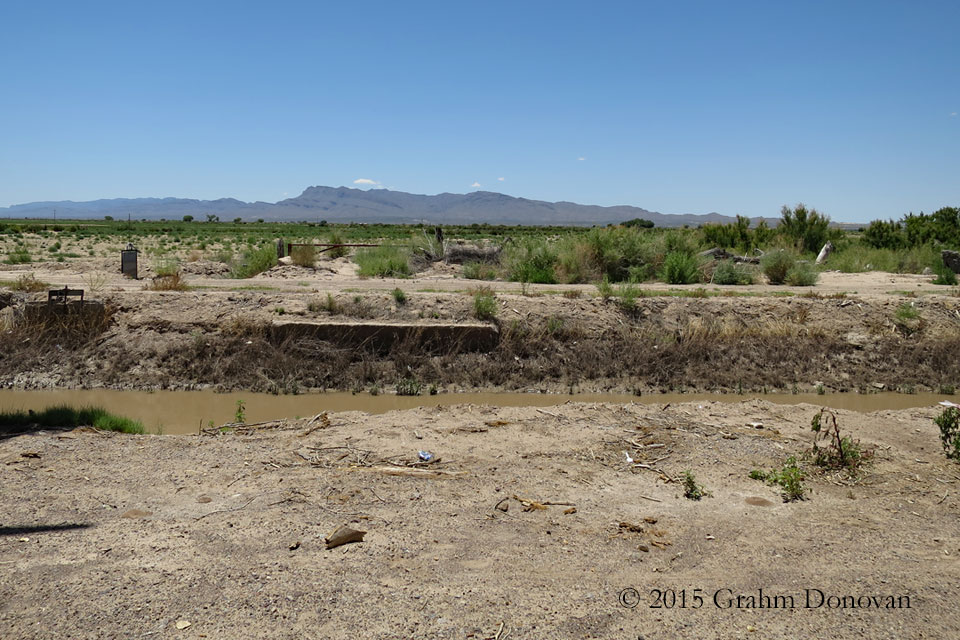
{"x": 531, "y": 524}
{"x": 222, "y": 535}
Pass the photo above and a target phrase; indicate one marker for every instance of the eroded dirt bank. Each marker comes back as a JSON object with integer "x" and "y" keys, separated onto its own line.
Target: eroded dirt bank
{"x": 221, "y": 536}
{"x": 227, "y": 340}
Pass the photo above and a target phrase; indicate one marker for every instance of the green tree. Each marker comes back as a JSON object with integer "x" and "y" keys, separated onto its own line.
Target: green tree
{"x": 807, "y": 228}
{"x": 188, "y": 218}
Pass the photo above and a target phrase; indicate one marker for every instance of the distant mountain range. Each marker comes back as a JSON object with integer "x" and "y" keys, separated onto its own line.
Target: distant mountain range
{"x": 343, "y": 204}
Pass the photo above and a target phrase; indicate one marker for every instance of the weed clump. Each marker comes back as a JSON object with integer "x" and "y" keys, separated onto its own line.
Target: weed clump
{"x": 692, "y": 490}
{"x": 789, "y": 478}
{"x": 841, "y": 452}
{"x": 29, "y": 284}
{"x": 484, "y": 304}
{"x": 949, "y": 423}
{"x": 409, "y": 387}
{"x": 399, "y": 296}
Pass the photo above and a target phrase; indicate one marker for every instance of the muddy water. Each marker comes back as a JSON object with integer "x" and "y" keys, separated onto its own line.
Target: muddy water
{"x": 178, "y": 412}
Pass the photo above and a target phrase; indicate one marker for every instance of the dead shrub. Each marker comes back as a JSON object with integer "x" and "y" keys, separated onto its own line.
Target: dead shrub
{"x": 170, "y": 282}
{"x": 29, "y": 284}
{"x": 304, "y": 256}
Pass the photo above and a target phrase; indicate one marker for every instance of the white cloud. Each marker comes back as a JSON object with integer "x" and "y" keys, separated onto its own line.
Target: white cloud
{"x": 581, "y": 158}
{"x": 953, "y": 115}
{"x": 365, "y": 181}
{"x": 475, "y": 184}
{"x": 501, "y": 179}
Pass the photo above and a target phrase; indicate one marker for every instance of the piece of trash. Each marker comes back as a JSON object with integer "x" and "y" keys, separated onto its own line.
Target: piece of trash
{"x": 710, "y": 538}
{"x": 755, "y": 425}
{"x": 425, "y": 456}
{"x": 294, "y": 546}
{"x": 947, "y": 403}
{"x": 629, "y": 459}
{"x": 182, "y": 624}
{"x": 24, "y": 539}
{"x": 344, "y": 535}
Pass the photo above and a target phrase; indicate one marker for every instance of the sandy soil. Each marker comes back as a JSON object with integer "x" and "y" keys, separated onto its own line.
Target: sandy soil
{"x": 222, "y": 536}
{"x": 340, "y": 274}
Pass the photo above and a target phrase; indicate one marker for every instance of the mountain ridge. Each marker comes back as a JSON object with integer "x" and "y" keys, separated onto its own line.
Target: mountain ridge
{"x": 346, "y": 204}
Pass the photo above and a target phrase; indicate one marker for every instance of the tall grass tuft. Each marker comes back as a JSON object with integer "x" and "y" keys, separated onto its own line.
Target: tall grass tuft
{"x": 484, "y": 303}
{"x": 68, "y": 417}
{"x": 383, "y": 262}
{"x": 680, "y": 267}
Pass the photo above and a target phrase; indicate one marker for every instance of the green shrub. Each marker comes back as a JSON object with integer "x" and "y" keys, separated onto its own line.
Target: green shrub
{"x": 383, "y": 262}
{"x": 479, "y": 271}
{"x": 20, "y": 255}
{"x": 729, "y": 272}
{"x": 681, "y": 268}
{"x": 945, "y": 275}
{"x": 399, "y": 296}
{"x": 531, "y": 260}
{"x": 255, "y": 261}
{"x": 409, "y": 387}
{"x": 949, "y": 423}
{"x": 802, "y": 274}
{"x": 776, "y": 265}
{"x": 807, "y": 228}
{"x": 484, "y": 304}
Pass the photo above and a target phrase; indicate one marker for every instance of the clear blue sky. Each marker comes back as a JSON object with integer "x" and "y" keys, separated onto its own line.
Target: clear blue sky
{"x": 679, "y": 107}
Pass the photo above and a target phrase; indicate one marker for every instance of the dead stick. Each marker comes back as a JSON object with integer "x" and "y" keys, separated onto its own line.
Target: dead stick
{"x": 227, "y": 510}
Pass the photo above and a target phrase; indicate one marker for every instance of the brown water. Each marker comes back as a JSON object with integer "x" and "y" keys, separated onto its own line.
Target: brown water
{"x": 178, "y": 412}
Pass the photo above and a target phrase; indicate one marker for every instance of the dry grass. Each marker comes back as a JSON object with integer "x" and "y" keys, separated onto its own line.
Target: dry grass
{"x": 29, "y": 284}
{"x": 170, "y": 282}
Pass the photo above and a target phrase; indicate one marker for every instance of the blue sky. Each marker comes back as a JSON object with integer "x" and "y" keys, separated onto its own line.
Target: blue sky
{"x": 682, "y": 107}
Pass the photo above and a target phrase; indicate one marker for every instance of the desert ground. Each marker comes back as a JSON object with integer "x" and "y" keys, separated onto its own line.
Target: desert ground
{"x": 560, "y": 522}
